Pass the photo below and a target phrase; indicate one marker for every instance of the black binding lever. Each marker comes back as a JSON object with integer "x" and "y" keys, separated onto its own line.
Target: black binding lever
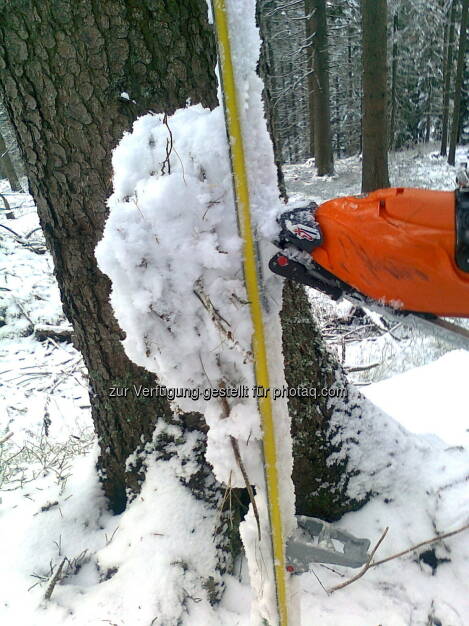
{"x": 462, "y": 229}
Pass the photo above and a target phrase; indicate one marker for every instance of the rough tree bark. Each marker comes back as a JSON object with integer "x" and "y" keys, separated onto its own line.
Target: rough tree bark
{"x": 321, "y": 476}
{"x": 318, "y": 84}
{"x": 458, "y": 83}
{"x": 374, "y": 129}
{"x": 63, "y": 67}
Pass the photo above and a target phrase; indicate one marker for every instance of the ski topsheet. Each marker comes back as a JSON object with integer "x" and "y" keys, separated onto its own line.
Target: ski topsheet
{"x": 251, "y": 263}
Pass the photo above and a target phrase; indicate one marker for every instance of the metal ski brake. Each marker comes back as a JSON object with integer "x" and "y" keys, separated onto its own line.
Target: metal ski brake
{"x": 316, "y": 541}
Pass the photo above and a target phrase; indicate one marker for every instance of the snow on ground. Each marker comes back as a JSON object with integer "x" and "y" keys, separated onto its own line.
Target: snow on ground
{"x": 429, "y": 401}
{"x": 116, "y": 563}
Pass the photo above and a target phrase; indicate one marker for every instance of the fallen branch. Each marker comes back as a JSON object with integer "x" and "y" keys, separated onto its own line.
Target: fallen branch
{"x": 419, "y": 545}
{"x": 239, "y": 461}
{"x": 369, "y": 564}
{"x": 364, "y": 569}
{"x": 8, "y": 212}
{"x": 7, "y": 436}
{"x": 362, "y": 368}
{"x": 53, "y": 582}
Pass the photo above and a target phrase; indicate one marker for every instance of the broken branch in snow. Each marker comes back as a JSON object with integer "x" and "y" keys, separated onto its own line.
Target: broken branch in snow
{"x": 7, "y": 436}
{"x": 9, "y": 213}
{"x": 369, "y": 564}
{"x": 59, "y": 333}
{"x": 55, "y": 578}
{"x": 363, "y": 368}
{"x": 169, "y": 147}
{"x": 419, "y": 545}
{"x": 36, "y": 247}
{"x": 239, "y": 461}
{"x": 364, "y": 569}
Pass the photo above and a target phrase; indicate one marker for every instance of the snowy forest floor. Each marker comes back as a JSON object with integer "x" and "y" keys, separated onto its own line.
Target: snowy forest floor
{"x": 52, "y": 507}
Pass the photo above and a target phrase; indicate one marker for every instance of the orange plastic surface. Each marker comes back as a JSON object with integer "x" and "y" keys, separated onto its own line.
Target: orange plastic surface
{"x": 397, "y": 246}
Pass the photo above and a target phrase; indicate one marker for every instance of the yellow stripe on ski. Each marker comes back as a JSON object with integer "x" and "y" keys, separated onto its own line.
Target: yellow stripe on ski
{"x": 242, "y": 200}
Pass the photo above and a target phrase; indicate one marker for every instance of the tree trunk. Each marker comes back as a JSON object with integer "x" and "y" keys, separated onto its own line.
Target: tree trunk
{"x": 447, "y": 68}
{"x": 428, "y": 121}
{"x": 320, "y": 486}
{"x": 267, "y": 71}
{"x": 375, "y": 144}
{"x": 338, "y": 136}
{"x": 316, "y": 32}
{"x": 392, "y": 124}
{"x": 310, "y": 80}
{"x": 7, "y": 166}
{"x": 63, "y": 68}
{"x": 321, "y": 478}
{"x": 458, "y": 84}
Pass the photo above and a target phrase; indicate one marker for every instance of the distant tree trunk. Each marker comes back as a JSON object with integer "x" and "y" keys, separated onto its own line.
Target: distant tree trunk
{"x": 310, "y": 80}
{"x": 338, "y": 136}
{"x": 458, "y": 83}
{"x": 375, "y": 145}
{"x": 7, "y": 166}
{"x": 316, "y": 31}
{"x": 392, "y": 125}
{"x": 428, "y": 121}
{"x": 267, "y": 71}
{"x": 447, "y": 68}
{"x": 351, "y": 104}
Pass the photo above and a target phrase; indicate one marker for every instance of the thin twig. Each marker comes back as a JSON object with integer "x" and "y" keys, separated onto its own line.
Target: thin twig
{"x": 239, "y": 461}
{"x": 54, "y": 580}
{"x": 364, "y": 569}
{"x": 7, "y": 436}
{"x": 419, "y": 545}
{"x": 11, "y": 231}
{"x": 362, "y": 368}
{"x": 319, "y": 580}
{"x": 7, "y": 204}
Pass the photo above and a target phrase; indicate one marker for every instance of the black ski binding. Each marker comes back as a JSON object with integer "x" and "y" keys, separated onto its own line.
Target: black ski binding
{"x": 462, "y": 229}
{"x": 299, "y": 229}
{"x": 312, "y": 276}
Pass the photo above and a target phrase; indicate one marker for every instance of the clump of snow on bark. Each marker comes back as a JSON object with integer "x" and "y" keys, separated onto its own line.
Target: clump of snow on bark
{"x": 174, "y": 256}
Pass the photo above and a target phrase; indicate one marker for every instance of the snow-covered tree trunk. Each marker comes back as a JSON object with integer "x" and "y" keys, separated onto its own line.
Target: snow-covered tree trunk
{"x": 67, "y": 120}
{"x": 320, "y": 477}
